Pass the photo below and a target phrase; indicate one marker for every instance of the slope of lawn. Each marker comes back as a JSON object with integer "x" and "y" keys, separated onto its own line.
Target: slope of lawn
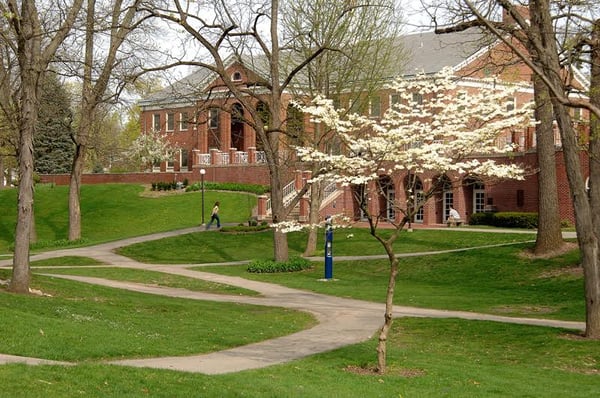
{"x": 215, "y": 246}
{"x": 426, "y": 358}
{"x": 115, "y": 211}
{"x": 497, "y": 280}
{"x": 77, "y": 322}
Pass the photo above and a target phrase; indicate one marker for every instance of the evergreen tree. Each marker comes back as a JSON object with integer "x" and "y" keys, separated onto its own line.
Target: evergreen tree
{"x": 53, "y": 143}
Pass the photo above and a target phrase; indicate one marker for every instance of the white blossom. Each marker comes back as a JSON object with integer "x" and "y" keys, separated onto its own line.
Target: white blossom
{"x": 443, "y": 133}
{"x": 151, "y": 147}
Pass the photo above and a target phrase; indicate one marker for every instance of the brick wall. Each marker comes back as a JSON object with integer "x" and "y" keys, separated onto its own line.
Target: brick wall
{"x": 509, "y": 195}
{"x": 245, "y": 174}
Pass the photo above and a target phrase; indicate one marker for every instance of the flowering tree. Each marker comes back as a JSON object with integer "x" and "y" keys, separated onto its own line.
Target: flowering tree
{"x": 150, "y": 148}
{"x": 435, "y": 129}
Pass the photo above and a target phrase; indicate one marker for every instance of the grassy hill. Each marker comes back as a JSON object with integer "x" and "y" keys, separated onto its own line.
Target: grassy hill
{"x": 115, "y": 211}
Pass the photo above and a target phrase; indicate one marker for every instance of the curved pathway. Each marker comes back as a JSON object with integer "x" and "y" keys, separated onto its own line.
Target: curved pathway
{"x": 341, "y": 321}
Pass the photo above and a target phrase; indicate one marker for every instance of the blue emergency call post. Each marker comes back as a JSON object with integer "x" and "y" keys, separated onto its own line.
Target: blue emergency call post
{"x": 328, "y": 248}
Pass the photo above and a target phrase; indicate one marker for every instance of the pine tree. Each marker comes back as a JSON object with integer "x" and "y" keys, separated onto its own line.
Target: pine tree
{"x": 53, "y": 145}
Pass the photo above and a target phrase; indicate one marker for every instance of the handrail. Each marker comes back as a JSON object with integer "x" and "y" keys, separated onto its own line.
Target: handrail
{"x": 289, "y": 192}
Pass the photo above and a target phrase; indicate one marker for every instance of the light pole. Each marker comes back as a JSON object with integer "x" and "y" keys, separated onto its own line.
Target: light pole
{"x": 202, "y": 172}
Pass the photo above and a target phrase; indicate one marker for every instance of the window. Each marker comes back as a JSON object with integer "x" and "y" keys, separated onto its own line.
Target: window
{"x": 375, "y": 107}
{"x": 170, "y": 121}
{"x": 295, "y": 125}
{"x": 461, "y": 98}
{"x": 577, "y": 114}
{"x": 156, "y": 122}
{"x": 354, "y": 106}
{"x": 213, "y": 118}
{"x": 183, "y": 121}
{"x": 183, "y": 161}
{"x": 478, "y": 197}
{"x": 236, "y": 77}
{"x": 417, "y": 101}
{"x": 394, "y": 99}
{"x": 510, "y": 105}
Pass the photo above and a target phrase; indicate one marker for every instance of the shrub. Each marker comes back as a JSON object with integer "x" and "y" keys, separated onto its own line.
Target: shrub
{"x": 269, "y": 266}
{"x": 505, "y": 219}
{"x": 229, "y": 186}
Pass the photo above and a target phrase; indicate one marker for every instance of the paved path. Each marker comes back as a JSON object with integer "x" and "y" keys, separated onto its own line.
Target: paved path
{"x": 341, "y": 321}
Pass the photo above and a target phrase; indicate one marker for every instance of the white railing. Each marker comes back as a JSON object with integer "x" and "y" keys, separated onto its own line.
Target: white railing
{"x": 204, "y": 158}
{"x": 223, "y": 158}
{"x": 261, "y": 157}
{"x": 329, "y": 190}
{"x": 289, "y": 192}
{"x": 240, "y": 157}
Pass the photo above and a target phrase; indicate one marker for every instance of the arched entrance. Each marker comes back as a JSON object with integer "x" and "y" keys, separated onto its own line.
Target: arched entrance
{"x": 359, "y": 197}
{"x": 387, "y": 198}
{"x": 413, "y": 187}
{"x": 444, "y": 198}
{"x": 237, "y": 127}
{"x": 265, "y": 116}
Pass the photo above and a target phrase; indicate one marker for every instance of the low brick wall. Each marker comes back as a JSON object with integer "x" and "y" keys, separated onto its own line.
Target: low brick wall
{"x": 245, "y": 174}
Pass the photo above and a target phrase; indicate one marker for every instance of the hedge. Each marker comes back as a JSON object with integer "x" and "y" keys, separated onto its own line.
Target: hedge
{"x": 505, "y": 219}
{"x": 229, "y": 186}
{"x": 270, "y": 266}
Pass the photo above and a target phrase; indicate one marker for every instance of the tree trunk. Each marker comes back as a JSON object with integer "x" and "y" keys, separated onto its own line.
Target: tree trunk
{"x": 586, "y": 235}
{"x": 88, "y": 106}
{"x": 21, "y": 275}
{"x": 28, "y": 53}
{"x": 75, "y": 193}
{"x": 313, "y": 218}
{"x": 280, "y": 242}
{"x": 588, "y": 241}
{"x": 549, "y": 235}
{"x": 388, "y": 318}
{"x": 593, "y": 281}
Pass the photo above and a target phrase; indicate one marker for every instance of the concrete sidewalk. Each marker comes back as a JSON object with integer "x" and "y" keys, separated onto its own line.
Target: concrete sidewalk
{"x": 341, "y": 321}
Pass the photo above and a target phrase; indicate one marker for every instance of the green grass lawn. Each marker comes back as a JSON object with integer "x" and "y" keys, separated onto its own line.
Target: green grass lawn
{"x": 79, "y": 322}
{"x": 151, "y": 278}
{"x": 214, "y": 246}
{"x": 115, "y": 211}
{"x": 498, "y": 280}
{"x": 426, "y": 358}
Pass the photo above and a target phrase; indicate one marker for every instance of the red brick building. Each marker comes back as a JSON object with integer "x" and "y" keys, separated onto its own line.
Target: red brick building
{"x": 206, "y": 124}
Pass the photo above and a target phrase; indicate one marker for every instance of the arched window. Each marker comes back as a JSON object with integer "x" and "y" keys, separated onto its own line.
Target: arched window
{"x": 295, "y": 126}
{"x": 264, "y": 113}
{"x": 237, "y": 76}
{"x": 237, "y": 127}
{"x": 387, "y": 198}
{"x": 414, "y": 194}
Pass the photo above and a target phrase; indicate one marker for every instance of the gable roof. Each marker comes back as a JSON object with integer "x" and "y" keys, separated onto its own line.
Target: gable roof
{"x": 431, "y": 52}
{"x": 427, "y": 53}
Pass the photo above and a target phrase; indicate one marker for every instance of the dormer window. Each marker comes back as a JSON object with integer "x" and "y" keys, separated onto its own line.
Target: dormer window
{"x": 236, "y": 77}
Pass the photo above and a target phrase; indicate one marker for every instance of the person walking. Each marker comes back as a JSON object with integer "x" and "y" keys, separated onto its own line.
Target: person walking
{"x": 214, "y": 216}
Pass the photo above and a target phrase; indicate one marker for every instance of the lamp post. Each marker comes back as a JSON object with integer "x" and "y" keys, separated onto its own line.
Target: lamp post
{"x": 202, "y": 172}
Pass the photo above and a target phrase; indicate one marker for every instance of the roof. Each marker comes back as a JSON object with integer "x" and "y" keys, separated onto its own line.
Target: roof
{"x": 427, "y": 53}
{"x": 431, "y": 52}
